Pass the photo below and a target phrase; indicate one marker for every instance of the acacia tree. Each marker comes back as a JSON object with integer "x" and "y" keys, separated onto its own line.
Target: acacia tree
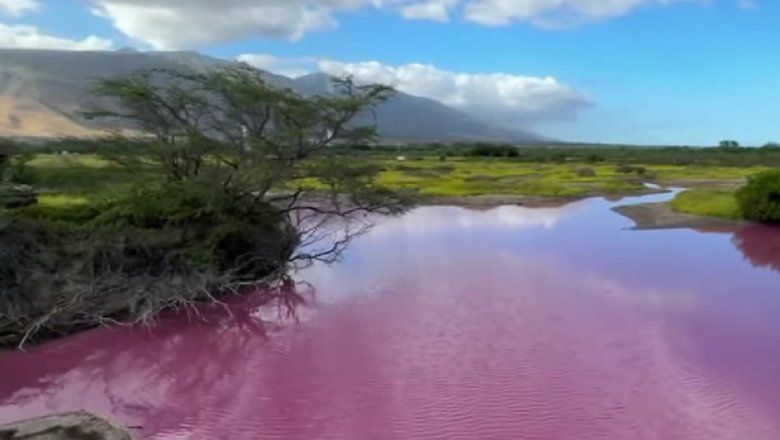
{"x": 251, "y": 188}
{"x": 231, "y": 128}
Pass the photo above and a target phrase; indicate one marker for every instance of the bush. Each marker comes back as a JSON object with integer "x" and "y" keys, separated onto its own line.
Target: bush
{"x": 631, "y": 169}
{"x": 585, "y": 172}
{"x": 489, "y": 150}
{"x": 759, "y": 200}
{"x": 16, "y": 170}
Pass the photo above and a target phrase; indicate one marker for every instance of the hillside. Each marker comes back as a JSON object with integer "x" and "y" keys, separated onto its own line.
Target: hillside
{"x": 41, "y": 90}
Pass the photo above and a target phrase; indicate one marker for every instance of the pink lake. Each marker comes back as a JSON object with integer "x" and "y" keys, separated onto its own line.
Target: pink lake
{"x": 446, "y": 323}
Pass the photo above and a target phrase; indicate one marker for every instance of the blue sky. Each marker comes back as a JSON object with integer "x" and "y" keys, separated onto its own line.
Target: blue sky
{"x": 638, "y": 71}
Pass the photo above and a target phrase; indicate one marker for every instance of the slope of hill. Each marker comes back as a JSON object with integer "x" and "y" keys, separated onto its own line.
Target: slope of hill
{"x": 41, "y": 90}
{"x": 407, "y": 117}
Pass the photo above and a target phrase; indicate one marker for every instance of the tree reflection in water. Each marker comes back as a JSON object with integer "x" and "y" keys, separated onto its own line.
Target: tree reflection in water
{"x": 138, "y": 371}
{"x": 760, "y": 245}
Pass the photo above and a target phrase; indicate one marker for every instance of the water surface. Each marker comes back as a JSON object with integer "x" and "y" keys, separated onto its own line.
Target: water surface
{"x": 447, "y": 323}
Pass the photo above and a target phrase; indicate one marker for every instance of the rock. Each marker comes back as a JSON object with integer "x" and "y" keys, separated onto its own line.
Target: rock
{"x": 70, "y": 426}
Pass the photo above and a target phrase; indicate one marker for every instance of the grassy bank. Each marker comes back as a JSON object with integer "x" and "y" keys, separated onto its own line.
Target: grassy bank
{"x": 64, "y": 180}
{"x": 708, "y": 202}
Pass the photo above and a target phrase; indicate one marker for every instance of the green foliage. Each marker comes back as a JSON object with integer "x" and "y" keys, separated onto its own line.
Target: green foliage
{"x": 16, "y": 170}
{"x": 60, "y": 208}
{"x": 759, "y": 200}
{"x": 728, "y": 144}
{"x": 174, "y": 204}
{"x": 707, "y": 202}
{"x": 213, "y": 229}
{"x": 631, "y": 169}
{"x": 489, "y": 150}
{"x": 207, "y": 197}
{"x": 595, "y": 154}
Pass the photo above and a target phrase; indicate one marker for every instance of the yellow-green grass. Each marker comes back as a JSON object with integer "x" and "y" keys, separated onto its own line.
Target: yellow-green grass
{"x": 670, "y": 173}
{"x": 463, "y": 177}
{"x": 707, "y": 202}
{"x": 62, "y": 199}
{"x": 62, "y": 179}
{"x": 66, "y": 161}
{"x": 458, "y": 177}
{"x": 86, "y": 177}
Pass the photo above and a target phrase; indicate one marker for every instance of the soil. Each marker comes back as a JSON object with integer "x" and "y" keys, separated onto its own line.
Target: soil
{"x": 662, "y": 216}
{"x": 493, "y": 200}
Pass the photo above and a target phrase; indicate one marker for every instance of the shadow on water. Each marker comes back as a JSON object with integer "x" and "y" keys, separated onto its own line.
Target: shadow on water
{"x": 760, "y": 245}
{"x": 123, "y": 370}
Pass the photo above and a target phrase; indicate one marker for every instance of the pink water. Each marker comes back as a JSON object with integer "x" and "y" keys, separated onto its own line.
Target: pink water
{"x": 550, "y": 324}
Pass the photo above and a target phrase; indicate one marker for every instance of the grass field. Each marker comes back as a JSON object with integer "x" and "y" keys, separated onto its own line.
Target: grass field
{"x": 463, "y": 177}
{"x": 707, "y": 202}
{"x": 76, "y": 180}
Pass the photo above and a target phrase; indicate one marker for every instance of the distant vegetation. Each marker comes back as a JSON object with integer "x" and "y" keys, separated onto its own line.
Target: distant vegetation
{"x": 729, "y": 156}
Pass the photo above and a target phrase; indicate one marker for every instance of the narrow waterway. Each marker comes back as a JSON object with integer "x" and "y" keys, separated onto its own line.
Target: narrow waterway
{"x": 447, "y": 323}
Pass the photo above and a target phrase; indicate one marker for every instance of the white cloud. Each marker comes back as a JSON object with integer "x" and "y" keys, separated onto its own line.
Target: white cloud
{"x": 499, "y": 97}
{"x": 291, "y": 67}
{"x": 552, "y": 13}
{"x": 435, "y": 10}
{"x": 25, "y": 36}
{"x": 16, "y": 8}
{"x": 174, "y": 24}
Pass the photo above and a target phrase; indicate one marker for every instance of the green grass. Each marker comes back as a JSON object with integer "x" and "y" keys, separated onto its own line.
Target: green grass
{"x": 707, "y": 202}
{"x": 78, "y": 180}
{"x": 463, "y": 177}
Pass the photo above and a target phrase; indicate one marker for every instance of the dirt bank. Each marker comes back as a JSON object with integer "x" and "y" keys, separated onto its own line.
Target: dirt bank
{"x": 71, "y": 426}
{"x": 662, "y": 216}
{"x": 493, "y": 200}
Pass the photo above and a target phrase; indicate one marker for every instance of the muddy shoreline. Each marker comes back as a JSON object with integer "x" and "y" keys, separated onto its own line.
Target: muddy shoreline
{"x": 488, "y": 201}
{"x": 647, "y": 216}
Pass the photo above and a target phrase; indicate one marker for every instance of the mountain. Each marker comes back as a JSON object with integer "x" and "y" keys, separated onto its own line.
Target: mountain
{"x": 41, "y": 90}
{"x": 407, "y": 117}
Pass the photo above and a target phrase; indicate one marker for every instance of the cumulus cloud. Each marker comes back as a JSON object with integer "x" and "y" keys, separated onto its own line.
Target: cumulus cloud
{"x": 434, "y": 10}
{"x": 551, "y": 13}
{"x": 499, "y": 97}
{"x": 30, "y": 37}
{"x": 175, "y": 24}
{"x": 291, "y": 67}
{"x": 16, "y": 8}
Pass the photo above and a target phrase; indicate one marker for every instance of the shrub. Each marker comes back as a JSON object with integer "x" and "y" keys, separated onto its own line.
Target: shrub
{"x": 17, "y": 171}
{"x": 594, "y": 158}
{"x": 585, "y": 172}
{"x": 759, "y": 200}
{"x": 631, "y": 169}
{"x": 490, "y": 150}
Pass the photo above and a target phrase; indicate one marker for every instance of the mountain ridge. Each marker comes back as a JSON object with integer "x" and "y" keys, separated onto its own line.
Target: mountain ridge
{"x": 39, "y": 88}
